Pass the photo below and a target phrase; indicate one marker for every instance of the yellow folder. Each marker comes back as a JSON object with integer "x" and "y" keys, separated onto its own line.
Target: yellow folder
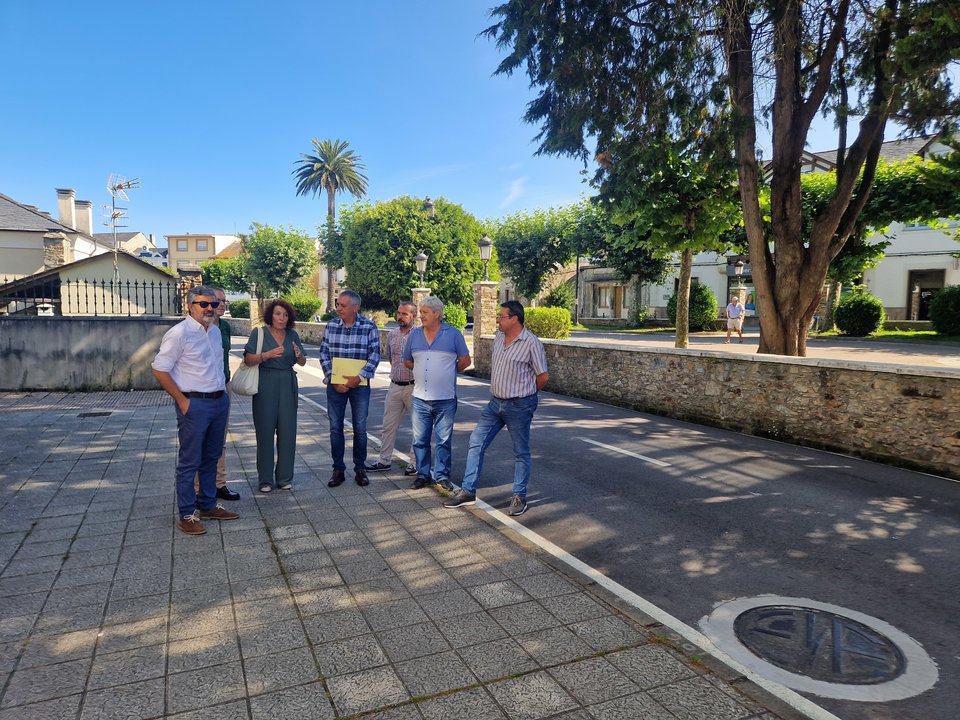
{"x": 344, "y": 368}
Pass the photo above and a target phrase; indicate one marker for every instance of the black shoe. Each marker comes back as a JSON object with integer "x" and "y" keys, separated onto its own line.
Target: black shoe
{"x": 447, "y": 485}
{"x": 421, "y": 482}
{"x": 336, "y": 479}
{"x": 410, "y": 470}
{"x": 377, "y": 467}
{"x": 225, "y": 493}
{"x": 361, "y": 478}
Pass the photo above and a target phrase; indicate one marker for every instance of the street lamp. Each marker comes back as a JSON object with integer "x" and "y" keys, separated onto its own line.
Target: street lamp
{"x": 421, "y": 260}
{"x": 429, "y": 208}
{"x": 486, "y": 250}
{"x": 738, "y": 271}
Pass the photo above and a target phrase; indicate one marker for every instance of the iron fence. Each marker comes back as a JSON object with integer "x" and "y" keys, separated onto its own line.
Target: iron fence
{"x": 55, "y": 296}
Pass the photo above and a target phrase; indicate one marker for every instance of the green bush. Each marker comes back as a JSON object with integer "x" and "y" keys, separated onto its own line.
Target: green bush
{"x": 379, "y": 317}
{"x": 703, "y": 308}
{"x": 328, "y": 316}
{"x": 561, "y": 296}
{"x": 305, "y": 303}
{"x": 240, "y": 308}
{"x": 945, "y": 311}
{"x": 859, "y": 314}
{"x": 455, "y": 315}
{"x": 548, "y": 322}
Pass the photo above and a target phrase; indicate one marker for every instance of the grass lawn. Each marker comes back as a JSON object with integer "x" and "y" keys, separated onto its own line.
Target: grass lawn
{"x": 625, "y": 331}
{"x": 908, "y": 336}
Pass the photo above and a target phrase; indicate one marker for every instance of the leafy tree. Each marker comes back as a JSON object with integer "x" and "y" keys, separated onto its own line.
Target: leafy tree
{"x": 530, "y": 246}
{"x": 277, "y": 259}
{"x": 227, "y": 273}
{"x": 379, "y": 242}
{"x": 560, "y": 296}
{"x": 613, "y": 71}
{"x": 305, "y": 303}
{"x": 333, "y": 168}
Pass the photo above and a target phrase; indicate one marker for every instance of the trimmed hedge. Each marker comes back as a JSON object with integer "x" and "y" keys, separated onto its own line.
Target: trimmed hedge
{"x": 548, "y": 322}
{"x": 240, "y": 308}
{"x": 561, "y": 296}
{"x": 305, "y": 304}
{"x": 703, "y": 308}
{"x": 945, "y": 311}
{"x": 859, "y": 314}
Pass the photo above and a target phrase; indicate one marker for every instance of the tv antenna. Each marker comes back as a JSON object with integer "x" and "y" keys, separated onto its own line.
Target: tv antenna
{"x": 117, "y": 185}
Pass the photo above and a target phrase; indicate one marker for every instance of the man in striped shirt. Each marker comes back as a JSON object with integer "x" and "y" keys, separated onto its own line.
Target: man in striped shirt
{"x": 354, "y": 337}
{"x": 518, "y": 372}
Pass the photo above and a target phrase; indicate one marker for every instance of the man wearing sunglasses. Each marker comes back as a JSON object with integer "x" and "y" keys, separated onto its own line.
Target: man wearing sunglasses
{"x": 189, "y": 367}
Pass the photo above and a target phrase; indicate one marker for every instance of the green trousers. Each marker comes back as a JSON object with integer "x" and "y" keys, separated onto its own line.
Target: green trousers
{"x": 275, "y": 420}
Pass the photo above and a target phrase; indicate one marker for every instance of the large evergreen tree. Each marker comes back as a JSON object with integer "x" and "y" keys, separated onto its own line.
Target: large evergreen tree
{"x": 612, "y": 72}
{"x": 333, "y": 168}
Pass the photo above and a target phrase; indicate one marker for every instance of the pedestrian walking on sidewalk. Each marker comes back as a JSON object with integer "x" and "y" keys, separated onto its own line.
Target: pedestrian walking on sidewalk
{"x": 518, "y": 372}
{"x": 275, "y": 404}
{"x": 189, "y": 367}
{"x": 349, "y": 340}
{"x": 399, "y": 399}
{"x": 435, "y": 352}
{"x": 734, "y": 313}
{"x": 223, "y": 492}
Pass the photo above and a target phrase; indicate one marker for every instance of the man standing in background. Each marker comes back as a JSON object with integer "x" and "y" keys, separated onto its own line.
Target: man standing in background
{"x": 400, "y": 393}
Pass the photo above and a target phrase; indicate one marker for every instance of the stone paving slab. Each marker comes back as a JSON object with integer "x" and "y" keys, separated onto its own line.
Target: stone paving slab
{"x": 317, "y": 603}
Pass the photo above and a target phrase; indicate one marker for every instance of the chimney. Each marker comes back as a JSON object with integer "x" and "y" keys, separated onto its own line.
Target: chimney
{"x": 66, "y": 207}
{"x": 56, "y": 250}
{"x": 84, "y": 212}
{"x": 153, "y": 243}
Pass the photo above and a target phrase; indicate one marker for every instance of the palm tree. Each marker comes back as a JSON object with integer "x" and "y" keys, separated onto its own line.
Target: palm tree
{"x": 335, "y": 169}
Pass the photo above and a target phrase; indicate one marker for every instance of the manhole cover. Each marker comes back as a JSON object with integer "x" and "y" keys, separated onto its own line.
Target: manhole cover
{"x": 820, "y": 645}
{"x": 819, "y": 648}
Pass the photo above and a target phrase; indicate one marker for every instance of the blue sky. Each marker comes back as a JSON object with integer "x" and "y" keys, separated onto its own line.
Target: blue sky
{"x": 210, "y": 103}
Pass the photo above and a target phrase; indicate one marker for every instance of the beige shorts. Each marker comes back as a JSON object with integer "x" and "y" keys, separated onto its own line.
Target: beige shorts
{"x": 735, "y": 323}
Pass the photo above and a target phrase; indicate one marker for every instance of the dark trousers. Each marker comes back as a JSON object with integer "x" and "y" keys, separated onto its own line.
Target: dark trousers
{"x": 201, "y": 432}
{"x": 359, "y": 399}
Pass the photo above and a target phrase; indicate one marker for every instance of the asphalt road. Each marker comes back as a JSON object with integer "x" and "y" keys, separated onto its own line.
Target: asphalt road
{"x": 688, "y": 516}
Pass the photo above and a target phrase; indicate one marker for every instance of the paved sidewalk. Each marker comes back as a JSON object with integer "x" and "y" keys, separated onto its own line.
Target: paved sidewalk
{"x": 319, "y": 603}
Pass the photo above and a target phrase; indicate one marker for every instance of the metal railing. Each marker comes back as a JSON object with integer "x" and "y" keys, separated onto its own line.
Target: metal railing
{"x": 55, "y": 296}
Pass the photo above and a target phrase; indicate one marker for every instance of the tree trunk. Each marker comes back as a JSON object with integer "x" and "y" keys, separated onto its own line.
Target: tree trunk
{"x": 833, "y": 294}
{"x": 331, "y": 271}
{"x": 683, "y": 298}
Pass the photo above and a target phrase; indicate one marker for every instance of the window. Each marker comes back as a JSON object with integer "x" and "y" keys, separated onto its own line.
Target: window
{"x": 201, "y": 245}
{"x": 624, "y": 304}
{"x": 182, "y": 245}
{"x": 604, "y": 297}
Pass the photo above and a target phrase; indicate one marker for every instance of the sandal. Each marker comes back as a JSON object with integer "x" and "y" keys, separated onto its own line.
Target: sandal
{"x": 265, "y": 488}
{"x": 288, "y": 486}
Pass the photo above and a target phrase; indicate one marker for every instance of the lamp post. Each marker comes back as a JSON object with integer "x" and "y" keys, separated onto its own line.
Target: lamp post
{"x": 429, "y": 208}
{"x": 738, "y": 271}
{"x": 421, "y": 261}
{"x": 486, "y": 251}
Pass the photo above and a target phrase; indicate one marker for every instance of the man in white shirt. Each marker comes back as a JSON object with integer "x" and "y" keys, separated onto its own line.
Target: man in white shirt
{"x": 734, "y": 318}
{"x": 189, "y": 367}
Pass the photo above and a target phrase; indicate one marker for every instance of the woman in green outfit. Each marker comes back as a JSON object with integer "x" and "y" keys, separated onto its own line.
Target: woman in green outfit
{"x": 275, "y": 404}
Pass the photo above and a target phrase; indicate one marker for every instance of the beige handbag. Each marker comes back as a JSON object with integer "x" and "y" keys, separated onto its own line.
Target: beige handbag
{"x": 246, "y": 380}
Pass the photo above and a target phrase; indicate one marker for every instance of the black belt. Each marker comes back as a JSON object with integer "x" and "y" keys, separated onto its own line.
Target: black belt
{"x": 205, "y": 396}
{"x": 521, "y": 397}
{"x": 402, "y": 384}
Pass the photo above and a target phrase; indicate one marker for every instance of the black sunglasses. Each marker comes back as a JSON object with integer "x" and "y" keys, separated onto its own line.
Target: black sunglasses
{"x": 206, "y": 303}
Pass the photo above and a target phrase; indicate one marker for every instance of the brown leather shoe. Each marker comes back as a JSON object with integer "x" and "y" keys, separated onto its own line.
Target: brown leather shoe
{"x": 217, "y": 513}
{"x": 361, "y": 478}
{"x": 336, "y": 479}
{"x": 190, "y": 525}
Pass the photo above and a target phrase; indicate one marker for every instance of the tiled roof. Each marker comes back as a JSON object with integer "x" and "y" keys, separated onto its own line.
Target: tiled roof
{"x": 893, "y": 149}
{"x": 15, "y": 216}
{"x": 108, "y": 237}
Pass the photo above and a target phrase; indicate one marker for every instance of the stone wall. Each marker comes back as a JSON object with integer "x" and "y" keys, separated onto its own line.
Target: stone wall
{"x": 900, "y": 416}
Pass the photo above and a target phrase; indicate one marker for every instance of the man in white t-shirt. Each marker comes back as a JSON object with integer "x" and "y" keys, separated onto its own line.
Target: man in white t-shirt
{"x": 734, "y": 318}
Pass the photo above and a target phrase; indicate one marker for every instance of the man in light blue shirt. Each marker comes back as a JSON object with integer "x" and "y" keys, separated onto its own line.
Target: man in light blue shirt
{"x": 435, "y": 352}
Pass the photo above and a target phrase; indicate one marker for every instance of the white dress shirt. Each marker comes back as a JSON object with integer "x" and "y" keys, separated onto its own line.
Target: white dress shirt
{"x": 193, "y": 357}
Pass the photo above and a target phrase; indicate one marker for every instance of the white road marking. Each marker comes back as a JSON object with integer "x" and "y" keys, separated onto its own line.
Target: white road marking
{"x": 471, "y": 404}
{"x": 654, "y": 461}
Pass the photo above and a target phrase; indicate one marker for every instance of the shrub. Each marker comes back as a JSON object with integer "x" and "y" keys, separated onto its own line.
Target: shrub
{"x": 379, "y": 317}
{"x": 328, "y": 316}
{"x": 703, "y": 308}
{"x": 548, "y": 322}
{"x": 561, "y": 296}
{"x": 945, "y": 311}
{"x": 455, "y": 315}
{"x": 240, "y": 308}
{"x": 859, "y": 314}
{"x": 305, "y": 303}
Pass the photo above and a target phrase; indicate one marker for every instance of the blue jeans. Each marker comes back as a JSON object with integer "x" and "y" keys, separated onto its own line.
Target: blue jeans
{"x": 433, "y": 417}
{"x": 517, "y": 416}
{"x": 201, "y": 433}
{"x": 359, "y": 399}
